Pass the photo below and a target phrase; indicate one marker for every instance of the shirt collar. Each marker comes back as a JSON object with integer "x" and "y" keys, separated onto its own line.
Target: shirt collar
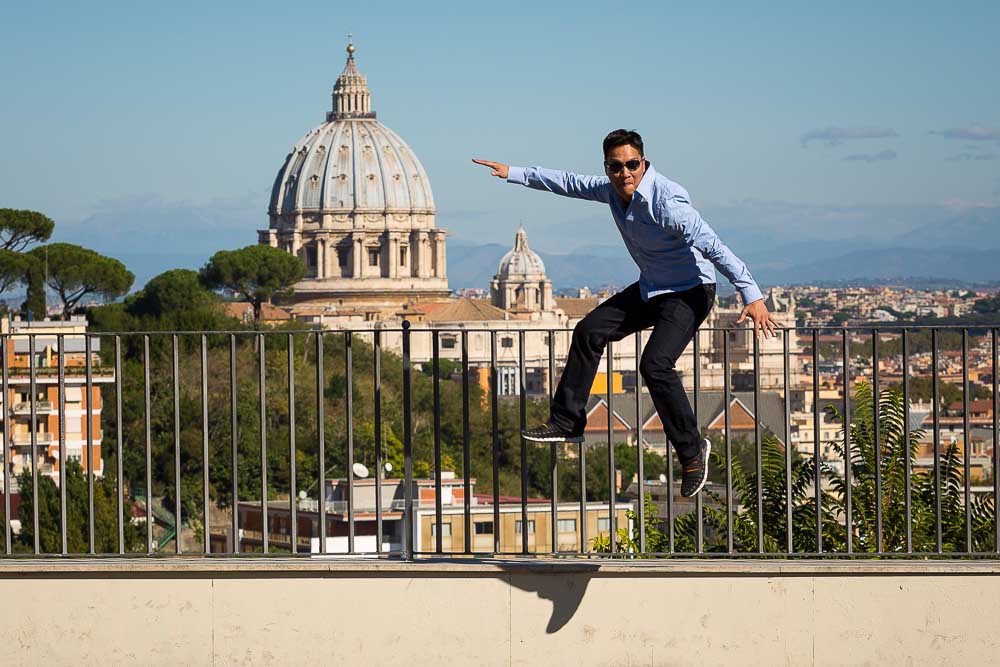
{"x": 645, "y": 187}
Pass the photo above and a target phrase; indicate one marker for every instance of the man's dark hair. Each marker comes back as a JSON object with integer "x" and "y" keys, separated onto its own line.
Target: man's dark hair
{"x": 619, "y": 137}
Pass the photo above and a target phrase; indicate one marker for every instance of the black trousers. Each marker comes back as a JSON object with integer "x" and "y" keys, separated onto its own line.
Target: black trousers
{"x": 675, "y": 318}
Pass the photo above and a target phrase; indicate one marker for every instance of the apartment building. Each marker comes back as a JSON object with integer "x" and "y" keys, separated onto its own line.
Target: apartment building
{"x": 37, "y": 345}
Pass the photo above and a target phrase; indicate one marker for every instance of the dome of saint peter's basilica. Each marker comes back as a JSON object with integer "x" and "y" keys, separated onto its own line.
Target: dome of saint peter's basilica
{"x": 354, "y": 203}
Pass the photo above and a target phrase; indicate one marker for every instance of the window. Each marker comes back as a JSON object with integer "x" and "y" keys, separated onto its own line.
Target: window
{"x": 484, "y": 527}
{"x": 74, "y": 424}
{"x": 507, "y": 341}
{"x": 445, "y": 529}
{"x": 603, "y": 524}
{"x": 402, "y": 255}
{"x": 343, "y": 255}
{"x": 507, "y": 378}
{"x": 531, "y": 526}
{"x": 566, "y": 525}
{"x": 372, "y": 256}
{"x": 449, "y": 341}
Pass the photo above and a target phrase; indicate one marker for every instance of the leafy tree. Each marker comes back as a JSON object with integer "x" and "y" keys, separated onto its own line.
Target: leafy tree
{"x": 13, "y": 269}
{"x": 988, "y": 306}
{"x": 177, "y": 300}
{"x": 256, "y": 273}
{"x": 18, "y": 228}
{"x": 105, "y": 515}
{"x": 35, "y": 305}
{"x": 74, "y": 272}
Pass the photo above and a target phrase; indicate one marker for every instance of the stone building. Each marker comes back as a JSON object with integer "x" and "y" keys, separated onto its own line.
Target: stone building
{"x": 355, "y": 204}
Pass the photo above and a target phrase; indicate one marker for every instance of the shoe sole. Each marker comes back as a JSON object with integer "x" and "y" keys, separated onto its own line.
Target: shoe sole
{"x": 704, "y": 477}
{"x": 552, "y": 438}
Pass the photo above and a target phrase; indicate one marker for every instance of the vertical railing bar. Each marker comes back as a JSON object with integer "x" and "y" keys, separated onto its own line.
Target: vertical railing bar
{"x": 34, "y": 441}
{"x": 262, "y": 409}
{"x": 726, "y": 400}
{"x": 466, "y": 447}
{"x": 206, "y": 523}
{"x": 175, "y": 367}
{"x": 438, "y": 537}
{"x": 64, "y": 538}
{"x": 408, "y": 546}
{"x": 377, "y": 349}
{"x": 8, "y": 344}
{"x": 671, "y": 537}
{"x": 787, "y": 384}
{"x": 88, "y": 369}
{"x": 292, "y": 468}
{"x": 522, "y": 410}
{"x": 495, "y": 424}
{"x": 876, "y": 430}
{"x": 967, "y": 440}
{"x": 609, "y": 361}
{"x": 234, "y": 443}
{"x": 996, "y": 442}
{"x": 583, "y": 497}
{"x": 553, "y": 451}
{"x": 640, "y": 448}
{"x": 349, "y": 423}
{"x": 119, "y": 470}
{"x": 907, "y": 469}
{"x": 89, "y": 373}
{"x": 848, "y": 520}
{"x": 758, "y": 454}
{"x": 321, "y": 440}
{"x": 149, "y": 443}
{"x": 818, "y": 489}
{"x": 935, "y": 397}
{"x": 698, "y": 502}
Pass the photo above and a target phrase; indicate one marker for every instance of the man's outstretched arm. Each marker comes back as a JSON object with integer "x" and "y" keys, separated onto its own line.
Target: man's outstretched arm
{"x": 565, "y": 183}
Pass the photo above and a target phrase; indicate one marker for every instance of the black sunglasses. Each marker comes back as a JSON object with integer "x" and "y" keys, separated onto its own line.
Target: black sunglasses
{"x": 615, "y": 167}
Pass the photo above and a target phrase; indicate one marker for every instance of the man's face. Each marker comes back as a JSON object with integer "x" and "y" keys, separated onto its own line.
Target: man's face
{"x": 616, "y": 166}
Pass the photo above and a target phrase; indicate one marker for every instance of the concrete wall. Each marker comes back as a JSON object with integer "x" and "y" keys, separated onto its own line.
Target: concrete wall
{"x": 225, "y": 612}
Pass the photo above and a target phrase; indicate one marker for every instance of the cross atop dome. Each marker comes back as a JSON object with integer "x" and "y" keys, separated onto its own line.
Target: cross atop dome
{"x": 351, "y": 98}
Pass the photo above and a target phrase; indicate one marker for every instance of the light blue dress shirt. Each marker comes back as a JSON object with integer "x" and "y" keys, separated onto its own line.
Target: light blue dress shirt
{"x": 674, "y": 248}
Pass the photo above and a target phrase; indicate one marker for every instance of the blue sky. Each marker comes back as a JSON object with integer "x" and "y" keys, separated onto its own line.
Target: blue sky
{"x": 130, "y": 108}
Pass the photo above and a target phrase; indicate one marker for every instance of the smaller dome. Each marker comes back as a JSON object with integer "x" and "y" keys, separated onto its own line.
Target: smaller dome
{"x": 520, "y": 261}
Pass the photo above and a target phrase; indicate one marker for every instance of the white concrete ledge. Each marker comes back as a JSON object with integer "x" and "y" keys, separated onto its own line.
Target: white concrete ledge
{"x": 483, "y": 567}
{"x": 251, "y": 610}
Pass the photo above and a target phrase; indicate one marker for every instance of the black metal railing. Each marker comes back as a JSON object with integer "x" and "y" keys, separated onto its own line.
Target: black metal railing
{"x": 216, "y": 439}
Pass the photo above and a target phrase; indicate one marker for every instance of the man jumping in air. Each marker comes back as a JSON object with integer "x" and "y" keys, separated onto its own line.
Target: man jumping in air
{"x": 675, "y": 251}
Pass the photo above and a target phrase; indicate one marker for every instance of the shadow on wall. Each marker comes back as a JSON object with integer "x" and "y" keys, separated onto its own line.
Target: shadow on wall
{"x": 565, "y": 592}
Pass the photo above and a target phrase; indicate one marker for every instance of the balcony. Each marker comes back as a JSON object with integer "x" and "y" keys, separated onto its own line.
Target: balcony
{"x": 24, "y": 439}
{"x": 41, "y": 407}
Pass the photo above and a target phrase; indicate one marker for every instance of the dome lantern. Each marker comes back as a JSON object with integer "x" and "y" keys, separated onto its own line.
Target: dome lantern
{"x": 351, "y": 97}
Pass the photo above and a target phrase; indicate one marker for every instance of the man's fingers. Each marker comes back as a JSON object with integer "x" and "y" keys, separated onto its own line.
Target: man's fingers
{"x": 742, "y": 317}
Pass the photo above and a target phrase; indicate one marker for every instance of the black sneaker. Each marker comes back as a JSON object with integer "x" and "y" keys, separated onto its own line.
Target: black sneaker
{"x": 696, "y": 471}
{"x": 548, "y": 432}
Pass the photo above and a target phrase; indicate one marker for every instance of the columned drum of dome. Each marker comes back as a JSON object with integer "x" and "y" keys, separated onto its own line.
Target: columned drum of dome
{"x": 355, "y": 204}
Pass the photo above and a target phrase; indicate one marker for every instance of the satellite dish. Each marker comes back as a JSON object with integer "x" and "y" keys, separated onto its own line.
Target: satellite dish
{"x": 303, "y": 495}
{"x": 388, "y": 467}
{"x": 360, "y": 470}
{"x": 663, "y": 478}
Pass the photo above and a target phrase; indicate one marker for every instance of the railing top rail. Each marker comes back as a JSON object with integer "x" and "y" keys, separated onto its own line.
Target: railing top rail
{"x": 886, "y": 328}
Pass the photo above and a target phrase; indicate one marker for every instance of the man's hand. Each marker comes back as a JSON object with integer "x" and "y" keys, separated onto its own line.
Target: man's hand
{"x": 762, "y": 322}
{"x": 500, "y": 170}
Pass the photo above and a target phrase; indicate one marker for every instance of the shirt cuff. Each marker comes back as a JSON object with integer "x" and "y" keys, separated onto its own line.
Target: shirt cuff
{"x": 517, "y": 175}
{"x": 750, "y": 294}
